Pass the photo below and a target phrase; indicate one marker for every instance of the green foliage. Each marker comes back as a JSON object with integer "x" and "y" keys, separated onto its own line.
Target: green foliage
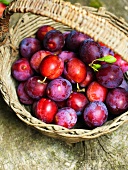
{"x": 95, "y": 3}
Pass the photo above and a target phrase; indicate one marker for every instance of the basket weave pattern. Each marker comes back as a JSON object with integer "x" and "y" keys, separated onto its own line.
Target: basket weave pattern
{"x": 99, "y": 24}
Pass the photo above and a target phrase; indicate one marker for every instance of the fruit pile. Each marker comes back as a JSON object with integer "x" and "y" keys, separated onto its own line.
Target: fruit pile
{"x": 68, "y": 77}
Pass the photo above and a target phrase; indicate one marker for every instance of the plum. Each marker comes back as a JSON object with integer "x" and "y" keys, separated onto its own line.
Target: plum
{"x": 21, "y": 69}
{"x": 51, "y": 67}
{"x": 28, "y": 46}
{"x": 42, "y": 31}
{"x": 95, "y": 114}
{"x": 66, "y": 117}
{"x": 35, "y": 87}
{"x": 59, "y": 89}
{"x": 45, "y": 110}
{"x": 109, "y": 76}
{"x": 74, "y": 40}
{"x": 117, "y": 101}
{"x": 89, "y": 51}
{"x": 53, "y": 41}
{"x": 96, "y": 92}
{"x": 22, "y": 95}
{"x": 37, "y": 58}
{"x": 75, "y": 70}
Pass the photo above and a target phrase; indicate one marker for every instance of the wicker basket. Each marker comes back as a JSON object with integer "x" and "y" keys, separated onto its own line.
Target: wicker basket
{"x": 98, "y": 23}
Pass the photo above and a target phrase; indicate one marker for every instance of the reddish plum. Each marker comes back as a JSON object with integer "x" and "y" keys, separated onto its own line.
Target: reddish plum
{"x": 89, "y": 51}
{"x": 109, "y": 76}
{"x": 77, "y": 101}
{"x": 66, "y": 117}
{"x": 53, "y": 40}
{"x": 75, "y": 70}
{"x": 45, "y": 110}
{"x": 96, "y": 92}
{"x": 21, "y": 69}
{"x": 29, "y": 46}
{"x": 121, "y": 63}
{"x": 74, "y": 40}
{"x": 35, "y": 87}
{"x": 42, "y": 31}
{"x": 37, "y": 58}
{"x": 51, "y": 67}
{"x": 95, "y": 114}
{"x": 23, "y": 97}
{"x": 117, "y": 100}
{"x": 59, "y": 89}
{"x": 2, "y": 8}
{"x": 89, "y": 77}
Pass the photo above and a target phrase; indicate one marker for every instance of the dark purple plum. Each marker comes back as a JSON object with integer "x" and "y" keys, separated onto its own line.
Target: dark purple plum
{"x": 89, "y": 51}
{"x": 29, "y": 46}
{"x": 66, "y": 117}
{"x": 117, "y": 101}
{"x": 74, "y": 40}
{"x": 106, "y": 51}
{"x": 95, "y": 114}
{"x": 67, "y": 55}
{"x": 22, "y": 95}
{"x": 109, "y": 76}
{"x": 59, "y": 89}
{"x": 21, "y": 69}
{"x": 124, "y": 85}
{"x": 35, "y": 87}
{"x": 53, "y": 41}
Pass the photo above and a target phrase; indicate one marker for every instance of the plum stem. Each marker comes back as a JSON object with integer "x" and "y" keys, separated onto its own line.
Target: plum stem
{"x": 78, "y": 88}
{"x": 43, "y": 81}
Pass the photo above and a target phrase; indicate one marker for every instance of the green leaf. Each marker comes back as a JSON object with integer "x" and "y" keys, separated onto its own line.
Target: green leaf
{"x": 108, "y": 59}
{"x": 97, "y": 66}
{"x": 6, "y": 2}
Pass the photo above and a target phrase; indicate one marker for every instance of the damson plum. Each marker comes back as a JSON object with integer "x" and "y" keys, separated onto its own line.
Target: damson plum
{"x": 109, "y": 76}
{"x": 95, "y": 114}
{"x": 59, "y": 89}
{"x": 117, "y": 100}
{"x": 96, "y": 92}
{"x": 53, "y": 41}
{"x": 77, "y": 101}
{"x": 67, "y": 55}
{"x": 21, "y": 69}
{"x": 106, "y": 51}
{"x": 37, "y": 58}
{"x": 66, "y": 117}
{"x": 124, "y": 85}
{"x": 35, "y": 87}
{"x": 45, "y": 110}
{"x": 75, "y": 70}
{"x": 22, "y": 95}
{"x": 74, "y": 40}
{"x": 51, "y": 67}
{"x": 89, "y": 51}
{"x": 29, "y": 46}
{"x": 42, "y": 31}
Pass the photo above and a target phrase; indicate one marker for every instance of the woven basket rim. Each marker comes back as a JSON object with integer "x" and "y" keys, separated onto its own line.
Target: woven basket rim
{"x": 70, "y": 135}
